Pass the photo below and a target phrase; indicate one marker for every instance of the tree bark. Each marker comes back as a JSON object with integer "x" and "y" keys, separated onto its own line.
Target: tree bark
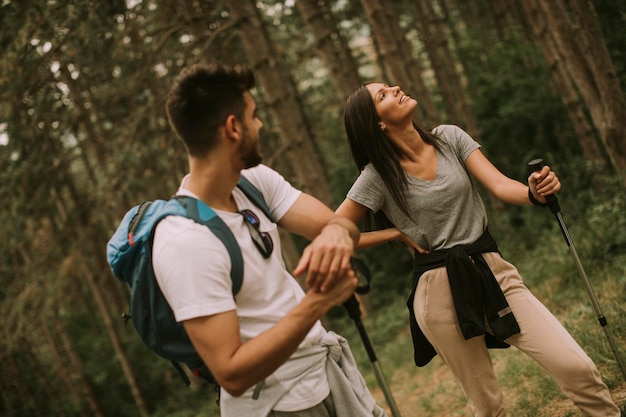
{"x": 342, "y": 67}
{"x": 397, "y": 59}
{"x": 44, "y": 381}
{"x": 612, "y": 96}
{"x": 584, "y": 51}
{"x": 115, "y": 340}
{"x": 279, "y": 93}
{"x": 563, "y": 82}
{"x": 77, "y": 366}
{"x": 448, "y": 77}
{"x": 22, "y": 394}
{"x": 62, "y": 369}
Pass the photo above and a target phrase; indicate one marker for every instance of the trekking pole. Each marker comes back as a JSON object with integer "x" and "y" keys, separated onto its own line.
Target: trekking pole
{"x": 553, "y": 203}
{"x": 354, "y": 311}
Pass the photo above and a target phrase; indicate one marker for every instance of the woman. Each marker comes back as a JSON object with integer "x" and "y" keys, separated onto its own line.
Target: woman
{"x": 465, "y": 296}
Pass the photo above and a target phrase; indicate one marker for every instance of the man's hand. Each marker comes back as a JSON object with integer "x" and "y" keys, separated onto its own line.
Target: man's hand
{"x": 328, "y": 256}
{"x": 333, "y": 241}
{"x": 343, "y": 288}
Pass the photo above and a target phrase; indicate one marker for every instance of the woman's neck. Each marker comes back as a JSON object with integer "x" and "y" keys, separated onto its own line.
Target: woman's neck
{"x": 417, "y": 157}
{"x": 410, "y": 144}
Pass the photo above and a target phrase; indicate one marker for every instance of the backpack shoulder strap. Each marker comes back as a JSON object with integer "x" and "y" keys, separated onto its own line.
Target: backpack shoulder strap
{"x": 203, "y": 214}
{"x": 254, "y": 195}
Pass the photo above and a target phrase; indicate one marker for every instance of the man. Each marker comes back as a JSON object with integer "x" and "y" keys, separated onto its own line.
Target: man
{"x": 266, "y": 346}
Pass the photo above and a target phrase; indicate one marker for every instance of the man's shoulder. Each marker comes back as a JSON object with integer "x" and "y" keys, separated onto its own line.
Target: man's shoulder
{"x": 278, "y": 193}
{"x": 182, "y": 233}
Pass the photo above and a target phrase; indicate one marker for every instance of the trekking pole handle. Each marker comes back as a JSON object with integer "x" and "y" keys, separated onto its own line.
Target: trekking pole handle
{"x": 364, "y": 276}
{"x": 553, "y": 202}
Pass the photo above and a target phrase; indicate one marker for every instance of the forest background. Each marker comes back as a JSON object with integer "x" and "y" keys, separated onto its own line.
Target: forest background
{"x": 83, "y": 136}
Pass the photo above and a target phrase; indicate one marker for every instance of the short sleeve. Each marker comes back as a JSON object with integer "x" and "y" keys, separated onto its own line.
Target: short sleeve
{"x": 459, "y": 140}
{"x": 368, "y": 188}
{"x": 279, "y": 194}
{"x": 192, "y": 268}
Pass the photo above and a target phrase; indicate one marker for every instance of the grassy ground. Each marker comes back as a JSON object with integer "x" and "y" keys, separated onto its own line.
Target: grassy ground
{"x": 433, "y": 391}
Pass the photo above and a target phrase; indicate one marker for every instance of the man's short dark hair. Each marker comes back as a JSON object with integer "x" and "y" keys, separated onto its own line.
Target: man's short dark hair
{"x": 201, "y": 99}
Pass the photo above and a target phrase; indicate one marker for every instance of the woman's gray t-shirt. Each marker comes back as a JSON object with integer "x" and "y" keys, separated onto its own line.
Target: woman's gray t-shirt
{"x": 446, "y": 211}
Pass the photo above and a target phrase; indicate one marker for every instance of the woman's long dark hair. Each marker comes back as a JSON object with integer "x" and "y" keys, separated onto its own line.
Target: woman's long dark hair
{"x": 369, "y": 144}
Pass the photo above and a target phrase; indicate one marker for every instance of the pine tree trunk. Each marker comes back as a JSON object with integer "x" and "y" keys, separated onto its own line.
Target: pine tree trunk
{"x": 472, "y": 16}
{"x": 448, "y": 77}
{"x": 454, "y": 74}
{"x": 63, "y": 370}
{"x": 78, "y": 369}
{"x": 328, "y": 45}
{"x": 279, "y": 93}
{"x": 44, "y": 381}
{"x": 414, "y": 69}
{"x": 429, "y": 36}
{"x": 397, "y": 59}
{"x": 569, "y": 95}
{"x": 599, "y": 87}
{"x": 77, "y": 211}
{"x": 21, "y": 400}
{"x": 115, "y": 340}
{"x": 613, "y": 126}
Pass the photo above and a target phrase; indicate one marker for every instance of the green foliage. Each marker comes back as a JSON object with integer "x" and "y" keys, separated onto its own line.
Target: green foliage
{"x": 518, "y": 114}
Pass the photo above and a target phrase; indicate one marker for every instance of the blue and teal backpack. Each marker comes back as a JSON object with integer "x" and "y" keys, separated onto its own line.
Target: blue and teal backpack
{"x": 129, "y": 254}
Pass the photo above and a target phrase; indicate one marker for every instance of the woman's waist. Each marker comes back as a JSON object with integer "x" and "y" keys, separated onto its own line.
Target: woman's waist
{"x": 437, "y": 258}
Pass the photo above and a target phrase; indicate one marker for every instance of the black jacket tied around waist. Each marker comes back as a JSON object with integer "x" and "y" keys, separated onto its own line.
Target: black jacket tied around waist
{"x": 476, "y": 293}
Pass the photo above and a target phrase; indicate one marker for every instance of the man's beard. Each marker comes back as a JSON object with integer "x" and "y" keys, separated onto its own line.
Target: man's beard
{"x": 251, "y": 156}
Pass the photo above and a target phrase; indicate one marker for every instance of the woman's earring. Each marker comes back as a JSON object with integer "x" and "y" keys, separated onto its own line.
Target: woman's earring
{"x": 382, "y": 127}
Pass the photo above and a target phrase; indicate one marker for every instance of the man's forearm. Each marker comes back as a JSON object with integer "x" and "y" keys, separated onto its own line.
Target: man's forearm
{"x": 259, "y": 357}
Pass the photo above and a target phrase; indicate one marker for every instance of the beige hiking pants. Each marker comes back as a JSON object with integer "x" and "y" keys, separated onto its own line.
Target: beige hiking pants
{"x": 542, "y": 337}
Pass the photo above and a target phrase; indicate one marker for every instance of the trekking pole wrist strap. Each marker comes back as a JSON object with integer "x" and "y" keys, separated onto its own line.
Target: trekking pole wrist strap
{"x": 533, "y": 200}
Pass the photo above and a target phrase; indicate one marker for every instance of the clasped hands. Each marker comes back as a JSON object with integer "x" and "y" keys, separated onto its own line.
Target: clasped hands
{"x": 327, "y": 262}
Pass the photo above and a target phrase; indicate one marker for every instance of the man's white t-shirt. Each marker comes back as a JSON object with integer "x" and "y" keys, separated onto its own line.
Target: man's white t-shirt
{"x": 192, "y": 267}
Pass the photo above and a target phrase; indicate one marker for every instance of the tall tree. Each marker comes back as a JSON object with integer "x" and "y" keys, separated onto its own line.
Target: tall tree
{"x": 330, "y": 46}
{"x": 279, "y": 93}
{"x": 444, "y": 67}
{"x": 83, "y": 384}
{"x": 400, "y": 66}
{"x": 563, "y": 82}
{"x": 580, "y": 42}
